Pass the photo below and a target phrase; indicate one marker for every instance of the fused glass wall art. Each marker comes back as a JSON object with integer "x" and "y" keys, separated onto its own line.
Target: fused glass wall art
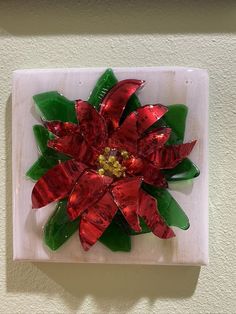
{"x": 121, "y": 225}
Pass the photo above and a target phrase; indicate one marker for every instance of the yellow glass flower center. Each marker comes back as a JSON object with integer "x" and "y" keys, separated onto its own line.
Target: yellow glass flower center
{"x": 110, "y": 162}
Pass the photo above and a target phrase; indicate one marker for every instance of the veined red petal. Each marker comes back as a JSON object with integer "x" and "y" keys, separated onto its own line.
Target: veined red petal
{"x": 147, "y": 170}
{"x": 149, "y": 212}
{"x": 126, "y": 196}
{"x": 88, "y": 190}
{"x": 95, "y": 220}
{"x": 61, "y": 128}
{"x": 75, "y": 146}
{"x": 126, "y": 136}
{"x": 115, "y": 101}
{"x": 153, "y": 175}
{"x": 92, "y": 124}
{"x": 57, "y": 183}
{"x": 134, "y": 166}
{"x": 152, "y": 141}
{"x": 149, "y": 114}
{"x": 170, "y": 156}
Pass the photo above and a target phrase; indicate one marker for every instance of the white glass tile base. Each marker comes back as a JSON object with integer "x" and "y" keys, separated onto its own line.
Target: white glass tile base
{"x": 166, "y": 85}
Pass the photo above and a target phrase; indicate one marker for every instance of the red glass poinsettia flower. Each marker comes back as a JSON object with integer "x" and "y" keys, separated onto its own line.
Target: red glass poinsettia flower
{"x": 109, "y": 163}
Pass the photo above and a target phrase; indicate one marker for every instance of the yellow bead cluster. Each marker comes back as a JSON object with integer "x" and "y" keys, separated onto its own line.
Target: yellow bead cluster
{"x": 124, "y": 154}
{"x": 110, "y": 165}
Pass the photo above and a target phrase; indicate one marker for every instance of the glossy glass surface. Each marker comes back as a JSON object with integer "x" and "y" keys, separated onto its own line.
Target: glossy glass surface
{"x": 169, "y": 209}
{"x": 42, "y": 136}
{"x": 40, "y": 167}
{"x": 54, "y": 106}
{"x": 49, "y": 157}
{"x": 103, "y": 85}
{"x": 176, "y": 119}
{"x": 132, "y": 105}
{"x": 106, "y": 81}
{"x": 186, "y": 170}
{"x": 144, "y": 228}
{"x": 116, "y": 237}
{"x": 59, "y": 227}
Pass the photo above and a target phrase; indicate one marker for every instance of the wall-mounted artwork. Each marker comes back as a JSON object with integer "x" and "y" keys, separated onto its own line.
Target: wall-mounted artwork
{"x": 111, "y": 165}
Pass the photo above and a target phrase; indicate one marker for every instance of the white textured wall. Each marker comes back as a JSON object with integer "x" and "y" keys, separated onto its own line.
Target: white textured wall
{"x": 144, "y": 33}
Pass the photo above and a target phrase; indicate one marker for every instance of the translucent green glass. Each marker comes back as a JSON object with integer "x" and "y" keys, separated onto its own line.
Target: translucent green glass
{"x": 176, "y": 119}
{"x": 49, "y": 157}
{"x": 116, "y": 237}
{"x": 121, "y": 221}
{"x": 132, "y": 105}
{"x": 106, "y": 81}
{"x": 144, "y": 227}
{"x": 54, "y": 106}
{"x": 59, "y": 228}
{"x": 186, "y": 170}
{"x": 169, "y": 209}
{"x": 40, "y": 167}
{"x": 42, "y": 136}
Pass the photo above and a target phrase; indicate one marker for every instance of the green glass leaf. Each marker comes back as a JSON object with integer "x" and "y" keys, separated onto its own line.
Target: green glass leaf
{"x": 116, "y": 237}
{"x": 40, "y": 167}
{"x": 132, "y": 105}
{"x": 184, "y": 171}
{"x": 42, "y": 136}
{"x": 103, "y": 85}
{"x": 59, "y": 228}
{"x": 122, "y": 222}
{"x": 176, "y": 119}
{"x": 144, "y": 227}
{"x": 169, "y": 209}
{"x": 54, "y": 106}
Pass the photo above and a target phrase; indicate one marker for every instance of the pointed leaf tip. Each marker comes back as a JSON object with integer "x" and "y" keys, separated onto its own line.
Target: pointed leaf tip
{"x": 54, "y": 106}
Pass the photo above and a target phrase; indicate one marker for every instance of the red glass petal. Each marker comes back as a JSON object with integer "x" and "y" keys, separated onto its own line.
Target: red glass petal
{"x": 153, "y": 140}
{"x": 61, "y": 128}
{"x": 92, "y": 124}
{"x": 57, "y": 183}
{"x": 153, "y": 175}
{"x": 170, "y": 156}
{"x": 115, "y": 101}
{"x": 126, "y": 196}
{"x": 150, "y": 173}
{"x": 126, "y": 136}
{"x": 134, "y": 166}
{"x": 149, "y": 114}
{"x": 88, "y": 190}
{"x": 76, "y": 147}
{"x": 96, "y": 219}
{"x": 149, "y": 212}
